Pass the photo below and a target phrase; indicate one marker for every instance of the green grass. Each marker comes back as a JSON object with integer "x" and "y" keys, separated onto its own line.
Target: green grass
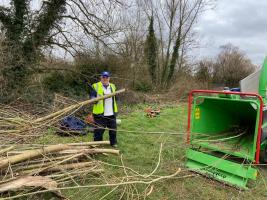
{"x": 140, "y": 151}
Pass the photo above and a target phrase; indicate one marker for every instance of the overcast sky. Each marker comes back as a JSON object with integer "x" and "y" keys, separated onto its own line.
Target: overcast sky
{"x": 240, "y": 22}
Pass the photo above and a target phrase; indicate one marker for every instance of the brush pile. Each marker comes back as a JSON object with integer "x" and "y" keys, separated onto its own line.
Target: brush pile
{"x": 30, "y": 167}
{"x": 17, "y": 126}
{"x": 49, "y": 166}
{"x": 24, "y": 164}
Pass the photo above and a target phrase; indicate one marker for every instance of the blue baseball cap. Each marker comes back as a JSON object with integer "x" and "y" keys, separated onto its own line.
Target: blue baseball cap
{"x": 105, "y": 73}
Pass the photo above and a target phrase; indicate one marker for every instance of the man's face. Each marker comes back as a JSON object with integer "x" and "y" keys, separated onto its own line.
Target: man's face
{"x": 104, "y": 80}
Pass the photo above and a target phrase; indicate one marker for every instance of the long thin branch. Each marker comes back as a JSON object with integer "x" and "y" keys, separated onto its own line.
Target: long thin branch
{"x": 101, "y": 186}
{"x": 77, "y": 106}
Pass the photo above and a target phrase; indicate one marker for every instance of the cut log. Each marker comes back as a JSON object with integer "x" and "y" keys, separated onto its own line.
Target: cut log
{"x": 90, "y": 143}
{"x": 29, "y": 181}
{"x": 90, "y": 151}
{"x": 29, "y": 154}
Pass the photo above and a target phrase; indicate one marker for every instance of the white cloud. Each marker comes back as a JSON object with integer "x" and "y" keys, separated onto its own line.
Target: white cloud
{"x": 242, "y": 23}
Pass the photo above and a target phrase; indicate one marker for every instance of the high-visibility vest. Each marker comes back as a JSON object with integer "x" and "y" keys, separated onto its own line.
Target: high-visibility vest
{"x": 98, "y": 108}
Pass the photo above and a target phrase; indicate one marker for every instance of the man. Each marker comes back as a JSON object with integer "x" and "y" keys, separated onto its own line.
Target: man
{"x": 104, "y": 111}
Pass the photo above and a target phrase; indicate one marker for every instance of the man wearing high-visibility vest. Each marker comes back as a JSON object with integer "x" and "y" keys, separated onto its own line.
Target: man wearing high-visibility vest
{"x": 105, "y": 111}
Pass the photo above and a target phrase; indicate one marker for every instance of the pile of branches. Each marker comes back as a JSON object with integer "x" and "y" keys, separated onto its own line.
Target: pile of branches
{"x": 28, "y": 169}
{"x": 49, "y": 166}
{"x": 18, "y": 126}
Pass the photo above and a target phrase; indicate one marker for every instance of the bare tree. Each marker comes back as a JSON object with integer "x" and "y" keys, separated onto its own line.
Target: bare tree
{"x": 131, "y": 41}
{"x": 231, "y": 66}
{"x": 71, "y": 25}
{"x": 87, "y": 26}
{"x": 175, "y": 20}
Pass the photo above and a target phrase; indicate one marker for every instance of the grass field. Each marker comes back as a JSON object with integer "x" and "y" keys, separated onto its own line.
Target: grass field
{"x": 140, "y": 146}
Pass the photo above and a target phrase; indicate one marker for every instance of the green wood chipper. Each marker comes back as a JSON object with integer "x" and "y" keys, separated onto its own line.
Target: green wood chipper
{"x": 227, "y": 131}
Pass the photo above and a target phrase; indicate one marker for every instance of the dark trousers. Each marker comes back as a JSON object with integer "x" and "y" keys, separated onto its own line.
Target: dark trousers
{"x": 103, "y": 122}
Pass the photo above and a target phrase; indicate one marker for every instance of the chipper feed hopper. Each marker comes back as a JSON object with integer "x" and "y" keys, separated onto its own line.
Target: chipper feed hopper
{"x": 227, "y": 131}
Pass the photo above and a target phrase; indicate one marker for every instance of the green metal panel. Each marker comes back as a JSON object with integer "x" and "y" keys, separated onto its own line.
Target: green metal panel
{"x": 218, "y": 124}
{"x": 223, "y": 170}
{"x": 225, "y": 125}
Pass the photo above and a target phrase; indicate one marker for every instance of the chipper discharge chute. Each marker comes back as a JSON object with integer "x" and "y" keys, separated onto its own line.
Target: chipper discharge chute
{"x": 227, "y": 132}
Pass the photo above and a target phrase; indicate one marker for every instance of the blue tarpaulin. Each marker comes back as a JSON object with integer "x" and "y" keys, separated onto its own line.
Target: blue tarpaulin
{"x": 73, "y": 124}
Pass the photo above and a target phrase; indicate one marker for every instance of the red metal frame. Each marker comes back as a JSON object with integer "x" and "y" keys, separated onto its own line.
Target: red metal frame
{"x": 190, "y": 99}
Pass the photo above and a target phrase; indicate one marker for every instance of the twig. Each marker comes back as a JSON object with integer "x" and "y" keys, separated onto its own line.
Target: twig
{"x": 100, "y": 186}
{"x": 156, "y": 168}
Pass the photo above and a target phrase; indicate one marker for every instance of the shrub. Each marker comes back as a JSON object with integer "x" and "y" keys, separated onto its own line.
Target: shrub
{"x": 68, "y": 83}
{"x": 143, "y": 86}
